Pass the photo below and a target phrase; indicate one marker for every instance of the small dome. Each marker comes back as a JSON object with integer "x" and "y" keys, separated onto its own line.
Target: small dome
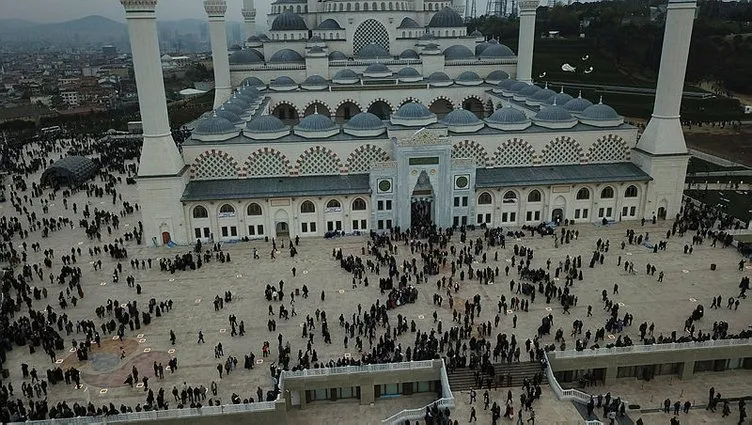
{"x": 528, "y": 91}
{"x": 253, "y": 39}
{"x": 408, "y": 23}
{"x": 283, "y": 81}
{"x": 346, "y": 76}
{"x": 413, "y": 110}
{"x": 229, "y": 116}
{"x": 446, "y": 18}
{"x": 337, "y": 56}
{"x": 364, "y": 121}
{"x": 316, "y": 122}
{"x": 497, "y": 76}
{"x": 244, "y": 98}
{"x": 409, "y": 54}
{"x": 234, "y": 48}
{"x": 468, "y": 76}
{"x": 329, "y": 24}
{"x": 600, "y": 112}
{"x": 408, "y": 72}
{"x": 543, "y": 95}
{"x": 506, "y": 84}
{"x": 253, "y": 82}
{"x": 476, "y": 33}
{"x": 553, "y": 113}
{"x": 480, "y": 47}
{"x": 507, "y": 116}
{"x": 233, "y": 107}
{"x": 496, "y": 51}
{"x": 214, "y": 125}
{"x": 460, "y": 117}
{"x": 578, "y": 104}
{"x": 265, "y": 124}
{"x": 289, "y": 21}
{"x": 561, "y": 98}
{"x": 458, "y": 52}
{"x": 377, "y": 68}
{"x": 315, "y": 81}
{"x": 246, "y": 56}
{"x": 240, "y": 101}
{"x": 517, "y": 86}
{"x": 286, "y": 56}
{"x": 373, "y": 51}
{"x": 438, "y": 77}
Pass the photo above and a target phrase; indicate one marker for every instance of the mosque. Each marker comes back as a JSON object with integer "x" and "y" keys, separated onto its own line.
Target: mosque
{"x": 351, "y": 116}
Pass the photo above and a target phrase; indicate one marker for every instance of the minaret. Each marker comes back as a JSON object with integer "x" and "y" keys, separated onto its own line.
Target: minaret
{"x": 526, "y": 40}
{"x": 662, "y": 151}
{"x": 249, "y": 15}
{"x": 216, "y": 9}
{"x": 162, "y": 171}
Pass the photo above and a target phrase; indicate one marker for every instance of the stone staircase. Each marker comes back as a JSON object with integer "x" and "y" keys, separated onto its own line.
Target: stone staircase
{"x": 464, "y": 379}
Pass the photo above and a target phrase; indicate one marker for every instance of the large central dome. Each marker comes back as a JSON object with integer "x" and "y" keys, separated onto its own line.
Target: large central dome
{"x": 446, "y": 18}
{"x": 288, "y": 21}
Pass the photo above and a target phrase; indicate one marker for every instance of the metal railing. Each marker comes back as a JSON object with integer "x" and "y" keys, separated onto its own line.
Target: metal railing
{"x": 675, "y": 346}
{"x": 348, "y": 370}
{"x": 414, "y": 414}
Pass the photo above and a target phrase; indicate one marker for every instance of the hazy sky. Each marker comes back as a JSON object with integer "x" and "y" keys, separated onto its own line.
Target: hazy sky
{"x": 64, "y": 10}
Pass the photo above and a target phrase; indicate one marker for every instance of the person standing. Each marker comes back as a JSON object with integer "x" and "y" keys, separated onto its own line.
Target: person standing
{"x": 532, "y": 416}
{"x": 472, "y": 415}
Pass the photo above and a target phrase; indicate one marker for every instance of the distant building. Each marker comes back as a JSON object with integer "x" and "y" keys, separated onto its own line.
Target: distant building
{"x": 109, "y": 51}
{"x": 70, "y": 98}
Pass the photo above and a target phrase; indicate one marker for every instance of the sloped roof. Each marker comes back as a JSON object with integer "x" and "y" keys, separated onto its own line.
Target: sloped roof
{"x": 71, "y": 170}
{"x": 206, "y": 190}
{"x": 559, "y": 174}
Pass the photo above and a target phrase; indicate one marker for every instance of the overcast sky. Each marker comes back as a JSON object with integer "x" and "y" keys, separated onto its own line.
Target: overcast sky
{"x": 64, "y": 10}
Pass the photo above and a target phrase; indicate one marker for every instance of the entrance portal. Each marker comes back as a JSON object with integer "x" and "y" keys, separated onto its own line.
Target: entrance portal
{"x": 557, "y": 215}
{"x": 662, "y": 213}
{"x": 282, "y": 229}
{"x": 421, "y": 205}
{"x": 166, "y": 238}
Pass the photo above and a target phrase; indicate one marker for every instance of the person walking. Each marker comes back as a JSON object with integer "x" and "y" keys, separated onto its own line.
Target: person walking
{"x": 532, "y": 416}
{"x": 472, "y": 415}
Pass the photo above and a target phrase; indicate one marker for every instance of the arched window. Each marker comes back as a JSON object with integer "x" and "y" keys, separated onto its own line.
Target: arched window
{"x": 227, "y": 209}
{"x": 631, "y": 192}
{"x": 607, "y": 193}
{"x": 359, "y": 204}
{"x": 200, "y": 212}
{"x": 583, "y": 193}
{"x": 510, "y": 198}
{"x": 357, "y": 7}
{"x": 307, "y": 207}
{"x": 365, "y": 6}
{"x": 534, "y": 196}
{"x": 333, "y": 203}
{"x": 254, "y": 209}
{"x": 484, "y": 199}
{"x": 403, "y": 34}
{"x": 375, "y": 6}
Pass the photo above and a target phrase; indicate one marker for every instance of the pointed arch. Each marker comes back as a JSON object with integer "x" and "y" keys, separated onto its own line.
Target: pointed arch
{"x": 410, "y": 99}
{"x": 562, "y": 150}
{"x": 318, "y": 160}
{"x": 214, "y": 164}
{"x": 609, "y": 148}
{"x": 442, "y": 97}
{"x": 319, "y": 106}
{"x": 267, "y": 162}
{"x": 515, "y": 152}
{"x": 471, "y": 149}
{"x": 361, "y": 159}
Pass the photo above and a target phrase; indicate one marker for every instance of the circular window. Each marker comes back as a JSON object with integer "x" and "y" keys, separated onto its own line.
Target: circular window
{"x": 385, "y": 185}
{"x": 461, "y": 182}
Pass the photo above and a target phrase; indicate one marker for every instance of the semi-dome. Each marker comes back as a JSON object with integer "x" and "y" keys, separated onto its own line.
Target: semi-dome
{"x": 439, "y": 79}
{"x": 316, "y": 126}
{"x": 554, "y": 116}
{"x": 578, "y": 104}
{"x": 480, "y": 47}
{"x": 377, "y": 70}
{"x": 266, "y": 127}
{"x": 409, "y": 54}
{"x": 228, "y": 115}
{"x": 469, "y": 78}
{"x": 286, "y": 56}
{"x": 246, "y": 56}
{"x": 462, "y": 121}
{"x": 446, "y": 18}
{"x": 346, "y": 76}
{"x": 314, "y": 82}
{"x": 495, "y": 77}
{"x": 254, "y": 82}
{"x": 496, "y": 51}
{"x": 364, "y": 124}
{"x": 283, "y": 83}
{"x": 329, "y": 24}
{"x": 214, "y": 129}
{"x": 373, "y": 51}
{"x": 458, "y": 52}
{"x": 413, "y": 110}
{"x": 409, "y": 75}
{"x": 600, "y": 115}
{"x": 289, "y": 21}
{"x": 408, "y": 23}
{"x": 337, "y": 56}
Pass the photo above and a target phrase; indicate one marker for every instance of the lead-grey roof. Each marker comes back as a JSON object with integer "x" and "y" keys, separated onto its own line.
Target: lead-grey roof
{"x": 208, "y": 190}
{"x": 329, "y": 24}
{"x": 76, "y": 169}
{"x": 286, "y": 56}
{"x": 408, "y": 23}
{"x": 446, "y": 18}
{"x": 288, "y": 21}
{"x": 559, "y": 174}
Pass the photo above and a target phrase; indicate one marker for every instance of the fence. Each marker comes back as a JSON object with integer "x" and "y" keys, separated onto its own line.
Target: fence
{"x": 675, "y": 346}
{"x": 415, "y": 414}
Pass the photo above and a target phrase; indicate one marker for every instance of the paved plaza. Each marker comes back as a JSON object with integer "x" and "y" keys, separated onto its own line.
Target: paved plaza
{"x": 688, "y": 281}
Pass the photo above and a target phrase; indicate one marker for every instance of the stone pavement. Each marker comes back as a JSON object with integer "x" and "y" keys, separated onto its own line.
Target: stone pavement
{"x": 688, "y": 282}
